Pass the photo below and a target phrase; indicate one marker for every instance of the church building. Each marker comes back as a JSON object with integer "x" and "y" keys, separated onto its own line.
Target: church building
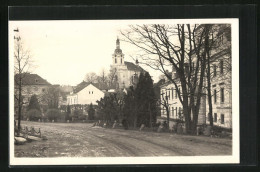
{"x": 126, "y": 73}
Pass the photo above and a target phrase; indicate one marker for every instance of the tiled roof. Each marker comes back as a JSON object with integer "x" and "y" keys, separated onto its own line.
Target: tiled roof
{"x": 31, "y": 79}
{"x": 84, "y": 84}
{"x": 133, "y": 67}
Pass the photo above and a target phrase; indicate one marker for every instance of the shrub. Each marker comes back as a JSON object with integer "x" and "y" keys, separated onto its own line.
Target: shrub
{"x": 34, "y": 115}
{"x": 68, "y": 113}
{"x": 77, "y": 113}
{"x": 53, "y": 114}
{"x": 33, "y": 104}
{"x": 91, "y": 112}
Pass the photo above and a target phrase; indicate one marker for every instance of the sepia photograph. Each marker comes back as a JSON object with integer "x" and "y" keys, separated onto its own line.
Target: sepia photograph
{"x": 150, "y": 91}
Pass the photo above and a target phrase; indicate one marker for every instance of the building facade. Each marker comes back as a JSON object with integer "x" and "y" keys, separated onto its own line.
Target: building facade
{"x": 31, "y": 84}
{"x": 221, "y": 79}
{"x": 221, "y": 88}
{"x": 85, "y": 93}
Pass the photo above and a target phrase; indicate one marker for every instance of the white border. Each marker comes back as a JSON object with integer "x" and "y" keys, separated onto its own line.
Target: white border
{"x": 234, "y": 158}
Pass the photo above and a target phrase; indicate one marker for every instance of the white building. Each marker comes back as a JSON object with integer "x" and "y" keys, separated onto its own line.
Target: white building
{"x": 85, "y": 93}
{"x": 221, "y": 88}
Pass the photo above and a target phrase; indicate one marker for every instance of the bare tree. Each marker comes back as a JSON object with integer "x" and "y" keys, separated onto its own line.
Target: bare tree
{"x": 91, "y": 77}
{"x": 180, "y": 47}
{"x": 51, "y": 97}
{"x": 112, "y": 77}
{"x": 164, "y": 101}
{"x": 22, "y": 65}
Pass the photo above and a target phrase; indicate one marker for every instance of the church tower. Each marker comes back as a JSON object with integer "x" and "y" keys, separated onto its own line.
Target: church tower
{"x": 118, "y": 56}
{"x": 126, "y": 73}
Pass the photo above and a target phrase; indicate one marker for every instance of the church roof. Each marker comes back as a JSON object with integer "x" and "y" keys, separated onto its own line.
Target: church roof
{"x": 133, "y": 67}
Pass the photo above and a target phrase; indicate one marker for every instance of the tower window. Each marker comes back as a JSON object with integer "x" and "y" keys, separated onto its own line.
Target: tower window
{"x": 121, "y": 60}
{"x": 115, "y": 60}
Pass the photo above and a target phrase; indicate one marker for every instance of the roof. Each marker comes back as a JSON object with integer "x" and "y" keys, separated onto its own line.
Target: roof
{"x": 31, "y": 79}
{"x": 159, "y": 83}
{"x": 133, "y": 67}
{"x": 84, "y": 84}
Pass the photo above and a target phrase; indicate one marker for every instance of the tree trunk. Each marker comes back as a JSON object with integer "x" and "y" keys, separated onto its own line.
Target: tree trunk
{"x": 168, "y": 117}
{"x": 209, "y": 87}
{"x": 19, "y": 106}
{"x": 150, "y": 113}
{"x": 209, "y": 96}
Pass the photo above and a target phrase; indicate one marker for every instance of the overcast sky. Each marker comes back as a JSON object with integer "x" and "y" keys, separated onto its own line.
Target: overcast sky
{"x": 64, "y": 51}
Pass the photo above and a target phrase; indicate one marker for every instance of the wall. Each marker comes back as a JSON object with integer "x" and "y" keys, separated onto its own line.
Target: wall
{"x": 89, "y": 94}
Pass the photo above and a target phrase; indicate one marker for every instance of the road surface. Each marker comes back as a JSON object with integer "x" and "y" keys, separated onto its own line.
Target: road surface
{"x": 83, "y": 140}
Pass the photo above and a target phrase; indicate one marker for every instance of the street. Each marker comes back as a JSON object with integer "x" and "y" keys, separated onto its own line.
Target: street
{"x": 83, "y": 140}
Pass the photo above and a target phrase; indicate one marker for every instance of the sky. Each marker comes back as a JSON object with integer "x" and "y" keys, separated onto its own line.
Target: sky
{"x": 65, "y": 51}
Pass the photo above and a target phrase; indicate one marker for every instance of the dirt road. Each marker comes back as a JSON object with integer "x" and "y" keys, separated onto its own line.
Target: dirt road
{"x": 82, "y": 140}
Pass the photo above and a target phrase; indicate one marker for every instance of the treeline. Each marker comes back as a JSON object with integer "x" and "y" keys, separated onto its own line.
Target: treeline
{"x": 64, "y": 113}
{"x": 136, "y": 107}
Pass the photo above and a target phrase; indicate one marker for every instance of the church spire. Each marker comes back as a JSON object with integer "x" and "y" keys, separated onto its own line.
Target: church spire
{"x": 118, "y": 50}
{"x": 117, "y": 43}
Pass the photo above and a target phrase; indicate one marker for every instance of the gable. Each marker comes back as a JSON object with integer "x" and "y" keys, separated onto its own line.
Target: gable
{"x": 90, "y": 89}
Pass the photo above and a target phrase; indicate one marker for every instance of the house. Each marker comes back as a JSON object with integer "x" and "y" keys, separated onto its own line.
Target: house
{"x": 126, "y": 73}
{"x": 31, "y": 84}
{"x": 85, "y": 93}
{"x": 221, "y": 90}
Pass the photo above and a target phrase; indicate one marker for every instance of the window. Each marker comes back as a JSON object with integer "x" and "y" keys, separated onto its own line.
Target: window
{"x": 222, "y": 95}
{"x": 215, "y": 96}
{"x": 121, "y": 60}
{"x": 214, "y": 70}
{"x": 175, "y": 93}
{"x": 173, "y": 111}
{"x": 208, "y": 117}
{"x": 180, "y": 111}
{"x": 172, "y": 93}
{"x": 162, "y": 111}
{"x": 221, "y": 38}
{"x": 222, "y": 119}
{"x": 92, "y": 92}
{"x": 43, "y": 90}
{"x": 169, "y": 95}
{"x": 221, "y": 66}
{"x": 89, "y": 92}
{"x": 36, "y": 80}
{"x": 215, "y": 117}
{"x": 115, "y": 60}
